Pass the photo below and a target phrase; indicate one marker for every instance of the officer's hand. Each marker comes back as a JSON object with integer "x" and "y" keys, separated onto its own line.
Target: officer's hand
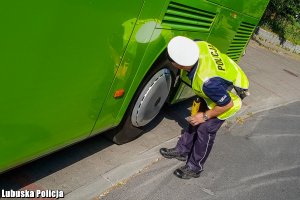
{"x": 196, "y": 119}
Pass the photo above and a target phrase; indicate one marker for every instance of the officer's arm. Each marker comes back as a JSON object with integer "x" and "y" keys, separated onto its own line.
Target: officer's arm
{"x": 214, "y": 89}
{"x": 218, "y": 110}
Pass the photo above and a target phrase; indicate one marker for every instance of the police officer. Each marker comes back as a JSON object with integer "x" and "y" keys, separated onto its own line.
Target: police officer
{"x": 213, "y": 75}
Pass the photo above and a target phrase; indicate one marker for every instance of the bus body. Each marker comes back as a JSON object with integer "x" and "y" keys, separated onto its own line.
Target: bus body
{"x": 63, "y": 62}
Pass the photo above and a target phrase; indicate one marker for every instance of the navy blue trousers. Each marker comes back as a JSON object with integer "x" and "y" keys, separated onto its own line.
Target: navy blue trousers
{"x": 197, "y": 142}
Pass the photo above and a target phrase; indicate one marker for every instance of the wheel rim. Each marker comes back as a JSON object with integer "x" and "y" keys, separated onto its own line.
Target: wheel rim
{"x": 152, "y": 98}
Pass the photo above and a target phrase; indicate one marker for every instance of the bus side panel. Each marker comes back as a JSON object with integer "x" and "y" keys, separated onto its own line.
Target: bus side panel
{"x": 150, "y": 51}
{"x": 241, "y": 38}
{"x": 131, "y": 65}
{"x": 224, "y": 29}
{"x": 58, "y": 59}
{"x": 197, "y": 19}
{"x": 254, "y": 8}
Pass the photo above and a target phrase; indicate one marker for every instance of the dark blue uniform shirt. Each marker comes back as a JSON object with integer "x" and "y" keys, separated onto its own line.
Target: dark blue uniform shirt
{"x": 215, "y": 88}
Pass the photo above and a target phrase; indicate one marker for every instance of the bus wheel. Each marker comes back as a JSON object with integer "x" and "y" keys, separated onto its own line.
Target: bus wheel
{"x": 147, "y": 103}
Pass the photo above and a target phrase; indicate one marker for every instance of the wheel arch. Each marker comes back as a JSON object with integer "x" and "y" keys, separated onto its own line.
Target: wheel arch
{"x": 140, "y": 76}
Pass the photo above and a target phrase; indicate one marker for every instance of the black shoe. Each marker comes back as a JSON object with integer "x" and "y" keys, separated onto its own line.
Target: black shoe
{"x": 186, "y": 172}
{"x": 172, "y": 153}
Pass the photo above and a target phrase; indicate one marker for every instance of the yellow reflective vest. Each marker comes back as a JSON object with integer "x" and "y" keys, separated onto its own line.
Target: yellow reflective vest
{"x": 212, "y": 63}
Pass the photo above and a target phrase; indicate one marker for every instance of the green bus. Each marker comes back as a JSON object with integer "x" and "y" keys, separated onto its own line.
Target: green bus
{"x": 71, "y": 69}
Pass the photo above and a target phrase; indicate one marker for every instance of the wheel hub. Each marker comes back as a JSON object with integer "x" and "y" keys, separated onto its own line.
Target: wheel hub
{"x": 152, "y": 98}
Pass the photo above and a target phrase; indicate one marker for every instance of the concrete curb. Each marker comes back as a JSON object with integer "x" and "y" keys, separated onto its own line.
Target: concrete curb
{"x": 118, "y": 176}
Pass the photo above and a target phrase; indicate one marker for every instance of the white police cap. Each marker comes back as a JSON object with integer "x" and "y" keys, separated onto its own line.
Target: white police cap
{"x": 183, "y": 51}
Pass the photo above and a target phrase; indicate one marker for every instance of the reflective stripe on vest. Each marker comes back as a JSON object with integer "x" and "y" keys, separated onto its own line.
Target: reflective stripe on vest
{"x": 212, "y": 63}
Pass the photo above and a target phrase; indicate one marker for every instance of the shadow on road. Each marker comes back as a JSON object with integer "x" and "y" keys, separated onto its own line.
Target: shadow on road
{"x": 29, "y": 173}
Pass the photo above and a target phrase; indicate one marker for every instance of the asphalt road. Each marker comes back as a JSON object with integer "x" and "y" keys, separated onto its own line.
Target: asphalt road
{"x": 259, "y": 160}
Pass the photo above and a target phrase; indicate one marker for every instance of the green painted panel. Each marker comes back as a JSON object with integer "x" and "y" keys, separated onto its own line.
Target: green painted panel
{"x": 224, "y": 29}
{"x": 58, "y": 59}
{"x": 241, "y": 37}
{"x": 139, "y": 58}
{"x": 254, "y": 8}
{"x": 232, "y": 31}
{"x": 144, "y": 34}
{"x": 192, "y": 15}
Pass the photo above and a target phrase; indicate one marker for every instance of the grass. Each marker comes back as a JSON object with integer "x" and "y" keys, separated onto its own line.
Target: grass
{"x": 293, "y": 33}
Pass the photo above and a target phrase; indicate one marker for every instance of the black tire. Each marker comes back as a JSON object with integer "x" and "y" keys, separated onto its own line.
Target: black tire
{"x": 135, "y": 122}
